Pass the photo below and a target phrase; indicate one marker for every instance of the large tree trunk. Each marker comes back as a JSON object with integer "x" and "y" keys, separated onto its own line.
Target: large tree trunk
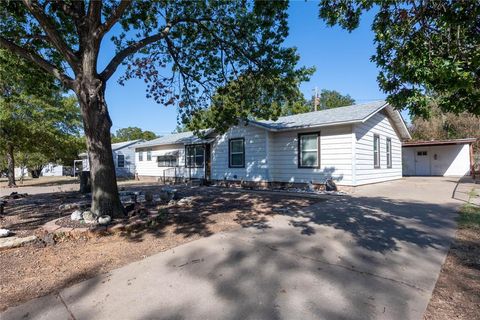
{"x": 97, "y": 124}
{"x": 11, "y": 166}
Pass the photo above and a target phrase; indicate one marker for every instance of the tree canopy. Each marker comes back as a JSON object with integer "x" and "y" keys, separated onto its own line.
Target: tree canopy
{"x": 424, "y": 49}
{"x": 132, "y": 133}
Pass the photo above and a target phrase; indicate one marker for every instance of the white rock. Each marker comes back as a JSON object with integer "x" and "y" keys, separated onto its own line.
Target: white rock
{"x": 89, "y": 217}
{"x": 76, "y": 215}
{"x": 4, "y": 233}
{"x": 104, "y": 219}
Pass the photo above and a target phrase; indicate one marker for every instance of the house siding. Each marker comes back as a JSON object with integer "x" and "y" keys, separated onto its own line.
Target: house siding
{"x": 335, "y": 156}
{"x": 150, "y": 168}
{"x": 256, "y": 155}
{"x": 129, "y": 168}
{"x": 365, "y": 172}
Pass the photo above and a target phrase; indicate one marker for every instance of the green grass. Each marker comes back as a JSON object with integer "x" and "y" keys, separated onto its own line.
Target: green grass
{"x": 469, "y": 216}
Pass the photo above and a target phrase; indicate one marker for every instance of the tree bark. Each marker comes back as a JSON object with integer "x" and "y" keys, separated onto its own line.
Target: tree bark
{"x": 97, "y": 124}
{"x": 11, "y": 166}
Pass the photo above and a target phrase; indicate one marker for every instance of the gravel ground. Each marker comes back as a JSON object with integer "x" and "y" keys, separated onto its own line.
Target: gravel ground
{"x": 37, "y": 270}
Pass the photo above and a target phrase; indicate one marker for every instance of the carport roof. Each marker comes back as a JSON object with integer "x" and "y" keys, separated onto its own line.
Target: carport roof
{"x": 438, "y": 142}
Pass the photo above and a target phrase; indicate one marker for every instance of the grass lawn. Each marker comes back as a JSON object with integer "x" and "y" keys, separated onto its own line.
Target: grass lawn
{"x": 457, "y": 292}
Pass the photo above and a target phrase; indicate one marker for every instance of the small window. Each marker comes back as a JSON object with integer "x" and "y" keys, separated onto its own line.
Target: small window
{"x": 308, "y": 155}
{"x": 149, "y": 154}
{"x": 120, "y": 161}
{"x": 140, "y": 156}
{"x": 194, "y": 156}
{"x": 236, "y": 153}
{"x": 389, "y": 152}
{"x": 167, "y": 161}
{"x": 376, "y": 151}
{"x": 421, "y": 153}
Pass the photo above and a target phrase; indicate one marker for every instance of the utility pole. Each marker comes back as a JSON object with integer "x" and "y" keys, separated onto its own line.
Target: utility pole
{"x": 316, "y": 99}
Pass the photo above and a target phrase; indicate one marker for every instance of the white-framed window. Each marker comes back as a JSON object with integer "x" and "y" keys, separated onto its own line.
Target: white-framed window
{"x": 388, "y": 149}
{"x": 194, "y": 156}
{"x": 140, "y": 156}
{"x": 149, "y": 154}
{"x": 309, "y": 150}
{"x": 236, "y": 153}
{"x": 120, "y": 161}
{"x": 167, "y": 161}
{"x": 376, "y": 151}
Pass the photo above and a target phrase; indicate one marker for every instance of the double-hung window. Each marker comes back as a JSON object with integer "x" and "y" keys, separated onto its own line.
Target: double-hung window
{"x": 120, "y": 161}
{"x": 236, "y": 153}
{"x": 389, "y": 152}
{"x": 376, "y": 151}
{"x": 195, "y": 156}
{"x": 149, "y": 154}
{"x": 140, "y": 156}
{"x": 309, "y": 150}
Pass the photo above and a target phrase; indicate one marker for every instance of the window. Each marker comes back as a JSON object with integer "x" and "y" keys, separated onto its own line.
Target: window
{"x": 195, "y": 156}
{"x": 120, "y": 161}
{"x": 309, "y": 150}
{"x": 140, "y": 156}
{"x": 376, "y": 151}
{"x": 421, "y": 153}
{"x": 236, "y": 153}
{"x": 389, "y": 152}
{"x": 149, "y": 154}
{"x": 167, "y": 161}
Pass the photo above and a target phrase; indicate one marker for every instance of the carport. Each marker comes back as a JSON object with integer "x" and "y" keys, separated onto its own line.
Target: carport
{"x": 438, "y": 157}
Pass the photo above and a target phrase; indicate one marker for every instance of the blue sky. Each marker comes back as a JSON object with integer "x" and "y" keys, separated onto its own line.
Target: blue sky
{"x": 342, "y": 62}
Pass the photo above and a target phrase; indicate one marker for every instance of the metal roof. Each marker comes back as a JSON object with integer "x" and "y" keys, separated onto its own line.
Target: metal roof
{"x": 342, "y": 115}
{"x": 176, "y": 138}
{"x": 121, "y": 145}
{"x": 438, "y": 142}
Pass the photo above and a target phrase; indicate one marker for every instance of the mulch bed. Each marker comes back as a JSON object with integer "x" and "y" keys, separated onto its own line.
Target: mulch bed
{"x": 33, "y": 270}
{"x": 457, "y": 292}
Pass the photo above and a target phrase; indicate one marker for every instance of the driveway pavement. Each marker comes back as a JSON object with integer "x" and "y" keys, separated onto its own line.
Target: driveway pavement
{"x": 373, "y": 255}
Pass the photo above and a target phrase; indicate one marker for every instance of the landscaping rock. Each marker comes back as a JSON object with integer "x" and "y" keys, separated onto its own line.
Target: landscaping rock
{"x": 13, "y": 242}
{"x": 168, "y": 194}
{"x": 103, "y": 220}
{"x": 185, "y": 201}
{"x": 4, "y": 233}
{"x": 76, "y": 215}
{"x": 89, "y": 217}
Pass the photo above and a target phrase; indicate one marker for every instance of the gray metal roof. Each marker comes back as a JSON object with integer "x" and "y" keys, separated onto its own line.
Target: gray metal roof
{"x": 121, "y": 145}
{"x": 349, "y": 114}
{"x": 176, "y": 138}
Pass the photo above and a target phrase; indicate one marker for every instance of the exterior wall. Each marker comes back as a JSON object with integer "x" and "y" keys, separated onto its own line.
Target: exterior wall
{"x": 19, "y": 172}
{"x": 365, "y": 172}
{"x": 335, "y": 157}
{"x": 129, "y": 167}
{"x": 52, "y": 170}
{"x": 151, "y": 169}
{"x": 256, "y": 155}
{"x": 446, "y": 160}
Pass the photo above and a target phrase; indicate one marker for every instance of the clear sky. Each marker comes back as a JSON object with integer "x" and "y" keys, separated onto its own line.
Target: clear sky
{"x": 342, "y": 62}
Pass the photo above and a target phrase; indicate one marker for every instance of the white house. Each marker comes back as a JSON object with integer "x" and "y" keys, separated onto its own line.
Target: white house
{"x": 438, "y": 157}
{"x": 354, "y": 145}
{"x": 55, "y": 170}
{"x": 123, "y": 158}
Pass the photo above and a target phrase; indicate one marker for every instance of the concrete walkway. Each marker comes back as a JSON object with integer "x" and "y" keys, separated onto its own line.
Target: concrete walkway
{"x": 373, "y": 255}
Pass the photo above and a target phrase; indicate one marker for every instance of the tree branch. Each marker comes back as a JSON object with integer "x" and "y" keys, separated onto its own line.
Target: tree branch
{"x": 95, "y": 12}
{"x": 52, "y": 33}
{"x": 38, "y": 60}
{"x": 134, "y": 47}
{"x": 117, "y": 14}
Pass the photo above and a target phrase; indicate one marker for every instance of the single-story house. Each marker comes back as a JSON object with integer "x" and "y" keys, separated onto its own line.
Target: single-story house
{"x": 123, "y": 158}
{"x": 55, "y": 170}
{"x": 354, "y": 145}
{"x": 438, "y": 157}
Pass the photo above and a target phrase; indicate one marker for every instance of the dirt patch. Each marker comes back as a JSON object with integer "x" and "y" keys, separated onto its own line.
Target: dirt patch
{"x": 457, "y": 292}
{"x": 36, "y": 270}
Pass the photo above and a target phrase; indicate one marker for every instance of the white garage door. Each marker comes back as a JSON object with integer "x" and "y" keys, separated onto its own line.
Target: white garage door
{"x": 444, "y": 160}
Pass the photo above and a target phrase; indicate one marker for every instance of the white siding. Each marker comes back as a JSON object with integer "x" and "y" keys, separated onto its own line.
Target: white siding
{"x": 151, "y": 168}
{"x": 129, "y": 168}
{"x": 52, "y": 170}
{"x": 447, "y": 160}
{"x": 365, "y": 172}
{"x": 335, "y": 157}
{"x": 256, "y": 160}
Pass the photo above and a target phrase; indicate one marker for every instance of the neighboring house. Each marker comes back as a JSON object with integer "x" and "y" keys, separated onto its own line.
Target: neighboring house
{"x": 438, "y": 157}
{"x": 21, "y": 171}
{"x": 56, "y": 170}
{"x": 354, "y": 145}
{"x": 123, "y": 158}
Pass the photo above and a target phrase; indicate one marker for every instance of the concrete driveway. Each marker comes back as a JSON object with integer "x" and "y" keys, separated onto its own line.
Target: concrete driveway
{"x": 373, "y": 255}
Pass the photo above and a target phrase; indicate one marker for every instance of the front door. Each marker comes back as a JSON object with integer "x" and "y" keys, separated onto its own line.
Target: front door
{"x": 422, "y": 163}
{"x": 208, "y": 162}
